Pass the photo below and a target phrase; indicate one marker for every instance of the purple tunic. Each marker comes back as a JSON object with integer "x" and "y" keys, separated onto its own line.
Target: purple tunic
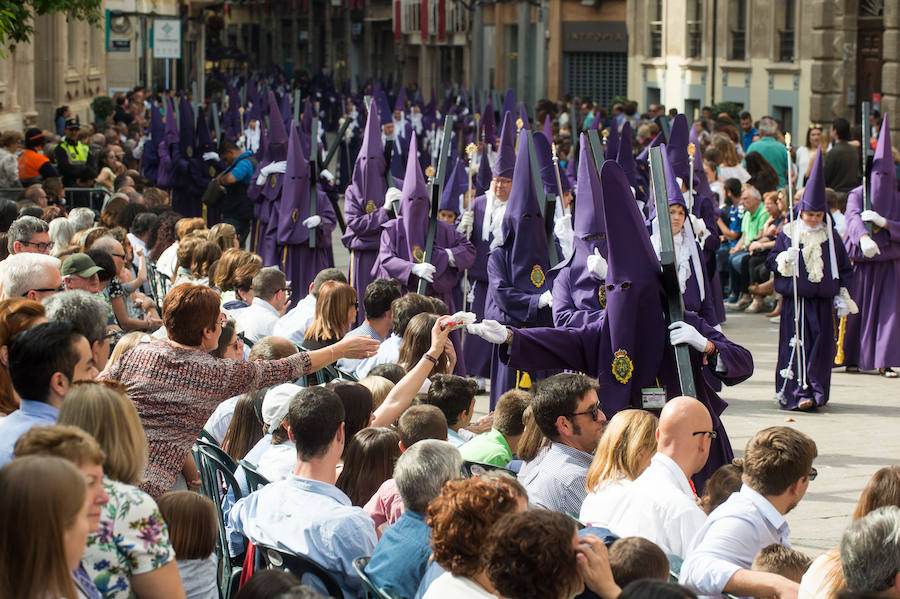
{"x": 301, "y": 264}
{"x": 476, "y": 350}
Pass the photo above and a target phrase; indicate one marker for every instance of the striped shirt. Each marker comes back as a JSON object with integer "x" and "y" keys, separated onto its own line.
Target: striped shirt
{"x": 555, "y": 478}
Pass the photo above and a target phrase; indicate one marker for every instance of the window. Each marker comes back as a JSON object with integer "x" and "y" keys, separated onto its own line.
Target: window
{"x": 694, "y": 46}
{"x": 596, "y": 75}
{"x": 737, "y": 30}
{"x": 785, "y": 117}
{"x": 786, "y": 33}
{"x": 656, "y": 28}
{"x": 692, "y": 109}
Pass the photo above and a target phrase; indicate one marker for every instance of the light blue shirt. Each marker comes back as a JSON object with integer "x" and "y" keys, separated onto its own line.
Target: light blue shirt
{"x": 351, "y": 364}
{"x": 240, "y": 475}
{"x": 29, "y": 414}
{"x": 310, "y": 518}
{"x": 388, "y": 353}
{"x": 401, "y": 556}
{"x": 555, "y": 478}
{"x": 293, "y": 324}
{"x": 732, "y": 536}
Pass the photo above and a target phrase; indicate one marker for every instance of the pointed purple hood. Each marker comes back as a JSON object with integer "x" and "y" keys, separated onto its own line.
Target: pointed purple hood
{"x": 400, "y": 104}
{"x": 612, "y": 142}
{"x": 509, "y": 102}
{"x": 884, "y": 176}
{"x": 415, "y": 205}
{"x": 523, "y": 114}
{"x": 164, "y": 150}
{"x": 548, "y": 128}
{"x": 367, "y": 181}
{"x": 625, "y": 156}
{"x": 277, "y": 137}
{"x": 673, "y": 189}
{"x": 150, "y": 158}
{"x": 676, "y": 149}
{"x": 484, "y": 176}
{"x": 505, "y": 163}
{"x": 813, "y": 198}
{"x": 205, "y": 141}
{"x": 489, "y": 126}
{"x": 384, "y": 109}
{"x": 293, "y": 207}
{"x": 457, "y": 184}
{"x": 588, "y": 221}
{"x": 544, "y": 154}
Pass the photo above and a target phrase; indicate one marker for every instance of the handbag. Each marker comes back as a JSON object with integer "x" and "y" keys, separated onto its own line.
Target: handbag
{"x": 215, "y": 191}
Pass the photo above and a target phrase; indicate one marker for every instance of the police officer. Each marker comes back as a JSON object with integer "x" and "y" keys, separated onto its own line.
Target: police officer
{"x": 73, "y": 158}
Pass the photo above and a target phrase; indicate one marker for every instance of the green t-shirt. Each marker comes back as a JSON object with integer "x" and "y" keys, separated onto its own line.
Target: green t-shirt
{"x": 752, "y": 224}
{"x": 774, "y": 154}
{"x": 489, "y": 448}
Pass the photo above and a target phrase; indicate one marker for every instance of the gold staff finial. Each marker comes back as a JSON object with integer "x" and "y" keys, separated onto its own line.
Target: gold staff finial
{"x": 787, "y": 139}
{"x": 519, "y": 124}
{"x": 429, "y": 171}
{"x": 692, "y": 149}
{"x": 471, "y": 149}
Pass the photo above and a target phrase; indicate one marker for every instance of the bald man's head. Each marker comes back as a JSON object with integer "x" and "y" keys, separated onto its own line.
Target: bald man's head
{"x": 684, "y": 433}
{"x": 272, "y": 348}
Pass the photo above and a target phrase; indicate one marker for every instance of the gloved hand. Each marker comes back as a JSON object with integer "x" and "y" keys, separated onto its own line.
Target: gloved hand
{"x": 312, "y": 222}
{"x": 699, "y": 226}
{"x": 545, "y": 300}
{"x": 450, "y": 257}
{"x": 210, "y": 156}
{"x": 327, "y": 175}
{"x": 844, "y": 304}
{"x": 597, "y": 265}
{"x": 793, "y": 254}
{"x": 465, "y": 223}
{"x": 489, "y": 330}
{"x": 393, "y": 195}
{"x": 870, "y": 216}
{"x": 868, "y": 246}
{"x": 681, "y": 332}
{"x": 424, "y": 270}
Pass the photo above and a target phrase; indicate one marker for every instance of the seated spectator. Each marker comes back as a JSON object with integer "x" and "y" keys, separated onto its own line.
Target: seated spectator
{"x": 246, "y": 426}
{"x": 461, "y": 518}
{"x": 569, "y": 414}
{"x": 87, "y": 313}
{"x": 453, "y": 395}
{"x": 533, "y": 554}
{"x": 357, "y": 402}
{"x": 142, "y": 234}
{"x": 415, "y": 344}
{"x": 368, "y": 461}
{"x": 234, "y": 278}
{"x": 392, "y": 372}
{"x": 114, "y": 291}
{"x": 379, "y": 387}
{"x": 531, "y": 443}
{"x": 186, "y": 249}
{"x": 761, "y": 282}
{"x": 80, "y": 272}
{"x": 81, "y": 218}
{"x": 377, "y": 300}
{"x": 416, "y": 424}
{"x": 225, "y": 236}
{"x": 870, "y": 553}
{"x": 633, "y": 558}
{"x": 777, "y": 471}
{"x": 126, "y": 343}
{"x": 160, "y": 375}
{"x": 661, "y": 505}
{"x": 623, "y": 453}
{"x": 191, "y": 518}
{"x": 266, "y": 584}
{"x": 271, "y": 296}
{"x": 752, "y": 222}
{"x": 295, "y": 321}
{"x": 647, "y": 588}
{"x": 131, "y": 552}
{"x": 167, "y": 262}
{"x": 44, "y": 361}
{"x": 403, "y": 309}
{"x": 28, "y": 235}
{"x": 61, "y": 232}
{"x": 499, "y": 445}
{"x": 295, "y": 513}
{"x": 278, "y": 459}
{"x": 45, "y": 529}
{"x": 32, "y": 276}
{"x": 825, "y": 577}
{"x": 231, "y": 343}
{"x": 404, "y": 550}
{"x": 723, "y": 482}
{"x": 781, "y": 560}
{"x": 204, "y": 256}
{"x": 762, "y": 176}
{"x": 16, "y": 315}
{"x": 336, "y": 307}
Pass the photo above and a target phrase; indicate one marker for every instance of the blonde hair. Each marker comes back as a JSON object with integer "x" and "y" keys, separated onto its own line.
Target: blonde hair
{"x": 42, "y": 496}
{"x": 629, "y": 437}
{"x": 333, "y": 304}
{"x": 128, "y": 342}
{"x": 108, "y": 415}
{"x": 188, "y": 225}
{"x": 379, "y": 386}
{"x": 532, "y": 438}
{"x": 191, "y": 518}
{"x": 223, "y": 235}
{"x": 67, "y": 442}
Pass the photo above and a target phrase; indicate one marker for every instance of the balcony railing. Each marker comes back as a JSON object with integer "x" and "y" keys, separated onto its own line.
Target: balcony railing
{"x": 455, "y": 17}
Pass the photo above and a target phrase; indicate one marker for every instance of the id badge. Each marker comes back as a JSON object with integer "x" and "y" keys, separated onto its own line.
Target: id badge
{"x": 653, "y": 398}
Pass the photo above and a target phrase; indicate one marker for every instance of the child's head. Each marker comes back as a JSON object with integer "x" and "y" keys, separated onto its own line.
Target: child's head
{"x": 633, "y": 558}
{"x": 191, "y": 518}
{"x": 724, "y": 481}
{"x": 782, "y": 560}
{"x": 812, "y": 218}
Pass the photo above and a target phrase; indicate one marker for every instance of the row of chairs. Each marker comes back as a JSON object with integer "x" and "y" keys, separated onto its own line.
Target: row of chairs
{"x": 160, "y": 284}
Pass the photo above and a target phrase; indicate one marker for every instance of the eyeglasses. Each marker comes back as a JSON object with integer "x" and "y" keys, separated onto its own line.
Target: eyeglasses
{"x": 110, "y": 335}
{"x": 119, "y": 256}
{"x": 287, "y": 291}
{"x": 54, "y": 290}
{"x": 41, "y": 247}
{"x": 238, "y": 341}
{"x": 713, "y": 435}
{"x": 813, "y": 473}
{"x": 594, "y": 411}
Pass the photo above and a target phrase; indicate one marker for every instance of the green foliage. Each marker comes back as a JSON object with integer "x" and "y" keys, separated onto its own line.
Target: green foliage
{"x": 17, "y": 16}
{"x": 103, "y": 107}
{"x": 731, "y": 109}
{"x": 618, "y": 100}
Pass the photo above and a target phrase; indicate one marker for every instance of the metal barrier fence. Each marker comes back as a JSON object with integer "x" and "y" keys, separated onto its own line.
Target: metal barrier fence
{"x": 76, "y": 197}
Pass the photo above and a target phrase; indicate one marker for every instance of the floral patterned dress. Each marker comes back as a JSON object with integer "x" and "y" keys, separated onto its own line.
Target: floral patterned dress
{"x": 132, "y": 539}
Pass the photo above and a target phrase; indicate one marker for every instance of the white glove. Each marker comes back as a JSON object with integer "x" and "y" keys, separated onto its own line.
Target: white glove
{"x": 793, "y": 254}
{"x": 425, "y": 271}
{"x": 327, "y": 174}
{"x": 465, "y": 223}
{"x": 450, "y": 257}
{"x": 597, "y": 265}
{"x": 545, "y": 300}
{"x": 870, "y": 216}
{"x": 681, "y": 332}
{"x": 844, "y": 304}
{"x": 489, "y": 330}
{"x": 393, "y": 195}
{"x": 210, "y": 156}
{"x": 699, "y": 226}
{"x": 868, "y": 246}
{"x": 312, "y": 222}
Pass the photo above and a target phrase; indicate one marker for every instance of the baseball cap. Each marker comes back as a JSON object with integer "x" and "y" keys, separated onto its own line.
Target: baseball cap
{"x": 276, "y": 403}
{"x": 80, "y": 265}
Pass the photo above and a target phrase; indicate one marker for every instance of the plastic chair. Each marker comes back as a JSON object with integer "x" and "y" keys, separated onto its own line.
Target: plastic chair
{"x": 372, "y": 591}
{"x": 472, "y": 469}
{"x": 674, "y": 567}
{"x": 255, "y": 480}
{"x": 298, "y": 565}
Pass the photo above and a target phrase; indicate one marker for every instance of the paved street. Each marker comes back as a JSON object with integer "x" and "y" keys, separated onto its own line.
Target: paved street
{"x": 857, "y": 433}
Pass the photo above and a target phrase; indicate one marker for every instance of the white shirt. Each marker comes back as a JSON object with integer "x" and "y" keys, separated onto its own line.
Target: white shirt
{"x": 257, "y": 320}
{"x": 598, "y": 505}
{"x": 167, "y": 261}
{"x": 218, "y": 422}
{"x": 813, "y": 585}
{"x": 293, "y": 324}
{"x": 199, "y": 577}
{"x": 388, "y": 353}
{"x": 448, "y": 586}
{"x": 278, "y": 461}
{"x": 734, "y": 172}
{"x": 137, "y": 244}
{"x": 660, "y": 507}
{"x": 732, "y": 536}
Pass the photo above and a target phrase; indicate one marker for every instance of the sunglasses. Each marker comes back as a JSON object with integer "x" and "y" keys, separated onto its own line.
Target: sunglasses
{"x": 594, "y": 411}
{"x": 54, "y": 290}
{"x": 713, "y": 435}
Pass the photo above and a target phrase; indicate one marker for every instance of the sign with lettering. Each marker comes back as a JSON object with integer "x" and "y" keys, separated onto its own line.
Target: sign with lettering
{"x": 166, "y": 38}
{"x": 595, "y": 36}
